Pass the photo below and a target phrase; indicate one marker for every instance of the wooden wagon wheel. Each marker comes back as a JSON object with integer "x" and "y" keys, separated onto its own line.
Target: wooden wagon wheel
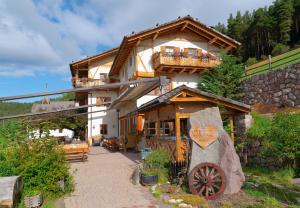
{"x": 207, "y": 180}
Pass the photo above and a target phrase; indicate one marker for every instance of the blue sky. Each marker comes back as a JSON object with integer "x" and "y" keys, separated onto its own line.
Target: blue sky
{"x": 39, "y": 38}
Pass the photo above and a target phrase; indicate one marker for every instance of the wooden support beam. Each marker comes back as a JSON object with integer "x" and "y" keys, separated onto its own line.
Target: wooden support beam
{"x": 212, "y": 41}
{"x": 184, "y": 26}
{"x": 188, "y": 99}
{"x": 228, "y": 48}
{"x": 193, "y": 71}
{"x": 155, "y": 36}
{"x": 138, "y": 42}
{"x": 171, "y": 70}
{"x": 182, "y": 70}
{"x": 231, "y": 127}
{"x": 179, "y": 155}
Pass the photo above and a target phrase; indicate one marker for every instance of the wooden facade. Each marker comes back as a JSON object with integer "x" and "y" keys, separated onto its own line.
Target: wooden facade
{"x": 165, "y": 125}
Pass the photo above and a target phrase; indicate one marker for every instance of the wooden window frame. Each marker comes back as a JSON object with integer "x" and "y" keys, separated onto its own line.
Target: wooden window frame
{"x": 103, "y": 131}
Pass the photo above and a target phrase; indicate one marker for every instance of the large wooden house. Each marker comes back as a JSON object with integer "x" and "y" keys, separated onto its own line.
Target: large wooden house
{"x": 180, "y": 50}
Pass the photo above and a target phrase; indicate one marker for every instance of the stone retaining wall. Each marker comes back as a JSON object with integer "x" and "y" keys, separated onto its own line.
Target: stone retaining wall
{"x": 279, "y": 87}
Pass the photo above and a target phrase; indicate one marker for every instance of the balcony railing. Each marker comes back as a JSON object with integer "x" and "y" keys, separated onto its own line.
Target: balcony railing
{"x": 181, "y": 60}
{"x": 88, "y": 82}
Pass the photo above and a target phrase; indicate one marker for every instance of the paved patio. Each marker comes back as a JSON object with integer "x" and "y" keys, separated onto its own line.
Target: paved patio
{"x": 104, "y": 182}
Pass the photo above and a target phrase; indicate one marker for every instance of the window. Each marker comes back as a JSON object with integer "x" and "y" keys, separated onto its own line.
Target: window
{"x": 184, "y": 132}
{"x": 103, "y": 76}
{"x": 151, "y": 130}
{"x": 103, "y": 129}
{"x": 167, "y": 129}
{"x": 100, "y": 100}
{"x": 132, "y": 125}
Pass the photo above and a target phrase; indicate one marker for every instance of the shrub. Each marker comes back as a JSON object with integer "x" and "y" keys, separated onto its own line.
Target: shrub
{"x": 260, "y": 127}
{"x": 41, "y": 163}
{"x": 251, "y": 61}
{"x": 279, "y": 136}
{"x": 280, "y": 48}
{"x": 158, "y": 159}
{"x": 283, "y": 138}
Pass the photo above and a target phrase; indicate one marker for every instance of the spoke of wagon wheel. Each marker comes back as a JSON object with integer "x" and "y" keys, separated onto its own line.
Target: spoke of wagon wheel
{"x": 202, "y": 172}
{"x": 212, "y": 172}
{"x": 197, "y": 176}
{"x": 215, "y": 175}
{"x": 197, "y": 185}
{"x": 206, "y": 192}
{"x": 207, "y": 171}
{"x": 217, "y": 180}
{"x": 202, "y": 189}
{"x": 212, "y": 190}
{"x": 217, "y": 187}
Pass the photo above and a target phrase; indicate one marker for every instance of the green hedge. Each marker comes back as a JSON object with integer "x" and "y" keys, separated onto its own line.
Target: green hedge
{"x": 279, "y": 136}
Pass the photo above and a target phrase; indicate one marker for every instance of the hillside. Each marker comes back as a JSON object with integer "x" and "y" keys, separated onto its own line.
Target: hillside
{"x": 14, "y": 108}
{"x": 280, "y": 61}
{"x": 265, "y": 31}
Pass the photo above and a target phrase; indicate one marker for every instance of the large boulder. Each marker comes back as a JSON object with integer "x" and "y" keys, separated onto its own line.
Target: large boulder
{"x": 211, "y": 143}
{"x": 10, "y": 190}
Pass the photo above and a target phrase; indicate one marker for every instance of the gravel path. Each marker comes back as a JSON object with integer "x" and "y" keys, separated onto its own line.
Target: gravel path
{"x": 104, "y": 182}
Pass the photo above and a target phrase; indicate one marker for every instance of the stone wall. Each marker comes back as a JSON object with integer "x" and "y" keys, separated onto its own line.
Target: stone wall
{"x": 279, "y": 87}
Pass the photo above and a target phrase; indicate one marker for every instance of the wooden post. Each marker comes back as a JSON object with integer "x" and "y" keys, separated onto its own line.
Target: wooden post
{"x": 158, "y": 125}
{"x": 231, "y": 128}
{"x": 270, "y": 62}
{"x": 177, "y": 125}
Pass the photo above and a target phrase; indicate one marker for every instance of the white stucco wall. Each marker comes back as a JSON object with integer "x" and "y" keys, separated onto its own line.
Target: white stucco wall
{"x": 144, "y": 99}
{"x": 106, "y": 117}
{"x": 99, "y": 67}
{"x": 190, "y": 80}
{"x": 181, "y": 40}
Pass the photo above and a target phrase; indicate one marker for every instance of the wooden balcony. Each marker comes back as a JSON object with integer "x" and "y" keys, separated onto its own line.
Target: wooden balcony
{"x": 178, "y": 62}
{"x": 87, "y": 82}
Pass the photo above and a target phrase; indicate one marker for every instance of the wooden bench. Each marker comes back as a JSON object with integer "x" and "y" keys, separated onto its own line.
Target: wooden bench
{"x": 76, "y": 151}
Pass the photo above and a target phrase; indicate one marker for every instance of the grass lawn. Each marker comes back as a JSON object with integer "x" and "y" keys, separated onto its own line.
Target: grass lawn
{"x": 280, "y": 61}
{"x": 275, "y": 186}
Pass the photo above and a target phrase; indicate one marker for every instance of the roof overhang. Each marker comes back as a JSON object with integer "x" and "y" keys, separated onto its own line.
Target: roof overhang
{"x": 135, "y": 91}
{"x": 85, "y": 61}
{"x": 185, "y": 23}
{"x": 200, "y": 96}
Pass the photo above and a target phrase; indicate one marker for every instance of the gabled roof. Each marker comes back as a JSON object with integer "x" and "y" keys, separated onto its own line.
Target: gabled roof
{"x": 102, "y": 55}
{"x": 166, "y": 99}
{"x": 184, "y": 23}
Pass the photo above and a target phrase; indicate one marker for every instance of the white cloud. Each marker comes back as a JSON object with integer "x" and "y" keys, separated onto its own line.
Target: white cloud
{"x": 43, "y": 37}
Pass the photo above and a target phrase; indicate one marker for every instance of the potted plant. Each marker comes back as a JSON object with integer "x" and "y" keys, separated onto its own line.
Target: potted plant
{"x": 154, "y": 166}
{"x": 149, "y": 178}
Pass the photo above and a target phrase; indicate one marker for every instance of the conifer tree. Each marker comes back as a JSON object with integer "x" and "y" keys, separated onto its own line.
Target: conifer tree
{"x": 225, "y": 80}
